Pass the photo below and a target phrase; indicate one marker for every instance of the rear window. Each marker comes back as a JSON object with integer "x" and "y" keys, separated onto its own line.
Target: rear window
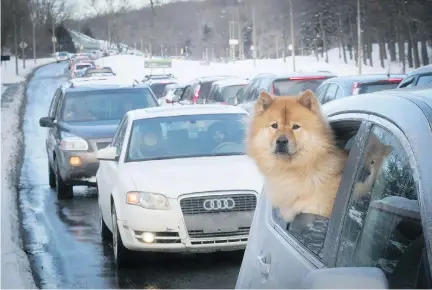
{"x": 104, "y": 105}
{"x": 82, "y": 66}
{"x": 288, "y": 87}
{"x": 231, "y": 91}
{"x": 158, "y": 89}
{"x": 376, "y": 87}
{"x": 62, "y": 54}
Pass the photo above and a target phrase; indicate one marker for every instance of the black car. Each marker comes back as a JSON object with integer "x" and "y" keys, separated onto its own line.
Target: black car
{"x": 157, "y": 83}
{"x": 345, "y": 86}
{"x": 196, "y": 92}
{"x": 80, "y": 121}
{"x": 280, "y": 85}
{"x": 420, "y": 77}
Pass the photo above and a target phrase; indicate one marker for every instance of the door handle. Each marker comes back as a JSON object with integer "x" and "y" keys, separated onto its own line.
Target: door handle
{"x": 263, "y": 265}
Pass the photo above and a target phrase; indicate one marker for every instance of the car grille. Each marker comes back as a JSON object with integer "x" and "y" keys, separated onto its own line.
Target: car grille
{"x": 242, "y": 231}
{"x": 218, "y": 224}
{"x": 195, "y": 205}
{"x": 101, "y": 145}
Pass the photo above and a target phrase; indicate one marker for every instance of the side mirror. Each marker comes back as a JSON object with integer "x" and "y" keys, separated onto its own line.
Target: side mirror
{"x": 346, "y": 278}
{"x": 47, "y": 122}
{"x": 232, "y": 101}
{"x": 108, "y": 154}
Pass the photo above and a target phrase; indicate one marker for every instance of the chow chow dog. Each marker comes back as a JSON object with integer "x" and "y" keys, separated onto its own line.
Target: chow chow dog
{"x": 294, "y": 148}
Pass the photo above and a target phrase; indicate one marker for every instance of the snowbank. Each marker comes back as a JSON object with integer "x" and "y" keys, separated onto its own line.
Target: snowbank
{"x": 8, "y": 74}
{"x": 15, "y": 267}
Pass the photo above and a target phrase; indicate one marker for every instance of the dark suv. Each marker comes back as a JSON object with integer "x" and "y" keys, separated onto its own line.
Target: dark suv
{"x": 280, "y": 85}
{"x": 196, "y": 92}
{"x": 81, "y": 121}
{"x": 340, "y": 87}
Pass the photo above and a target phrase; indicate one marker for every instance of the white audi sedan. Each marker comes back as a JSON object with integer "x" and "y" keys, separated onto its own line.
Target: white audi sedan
{"x": 177, "y": 179}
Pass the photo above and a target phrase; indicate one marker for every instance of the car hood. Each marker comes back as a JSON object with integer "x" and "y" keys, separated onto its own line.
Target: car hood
{"x": 91, "y": 130}
{"x": 173, "y": 177}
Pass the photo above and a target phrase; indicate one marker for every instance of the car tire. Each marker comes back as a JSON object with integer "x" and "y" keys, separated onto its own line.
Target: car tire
{"x": 64, "y": 191}
{"x": 51, "y": 176}
{"x": 105, "y": 232}
{"x": 122, "y": 256}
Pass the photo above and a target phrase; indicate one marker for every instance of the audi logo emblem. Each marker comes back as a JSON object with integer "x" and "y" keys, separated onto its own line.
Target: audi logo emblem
{"x": 219, "y": 204}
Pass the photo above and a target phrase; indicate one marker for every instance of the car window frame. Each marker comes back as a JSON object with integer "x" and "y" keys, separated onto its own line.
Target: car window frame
{"x": 423, "y": 75}
{"x": 120, "y": 133}
{"x": 61, "y": 101}
{"x": 408, "y": 81}
{"x": 328, "y": 98}
{"x": 342, "y": 199}
{"x": 54, "y": 103}
{"x": 324, "y": 87}
{"x": 346, "y": 183}
{"x": 114, "y": 139}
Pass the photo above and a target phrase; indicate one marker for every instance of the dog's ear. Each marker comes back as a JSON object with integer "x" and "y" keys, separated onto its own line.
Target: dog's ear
{"x": 308, "y": 100}
{"x": 264, "y": 101}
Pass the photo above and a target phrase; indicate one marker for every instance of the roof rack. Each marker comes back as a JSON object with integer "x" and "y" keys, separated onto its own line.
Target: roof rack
{"x": 158, "y": 76}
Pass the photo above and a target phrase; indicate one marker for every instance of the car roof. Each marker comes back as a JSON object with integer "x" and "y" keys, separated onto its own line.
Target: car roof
{"x": 98, "y": 87}
{"x": 161, "y": 81}
{"x": 105, "y": 81}
{"x": 295, "y": 74}
{"x": 423, "y": 93}
{"x": 421, "y": 70}
{"x": 231, "y": 82}
{"x": 169, "y": 111}
{"x": 214, "y": 78}
{"x": 366, "y": 78}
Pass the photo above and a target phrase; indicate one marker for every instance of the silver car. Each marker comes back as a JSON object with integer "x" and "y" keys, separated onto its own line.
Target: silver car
{"x": 81, "y": 121}
{"x": 381, "y": 240}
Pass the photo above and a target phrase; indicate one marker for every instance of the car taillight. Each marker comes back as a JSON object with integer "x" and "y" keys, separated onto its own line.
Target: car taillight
{"x": 356, "y": 88}
{"x": 307, "y": 78}
{"x": 394, "y": 80}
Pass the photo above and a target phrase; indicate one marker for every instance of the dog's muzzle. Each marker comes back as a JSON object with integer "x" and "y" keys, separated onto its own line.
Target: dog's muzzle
{"x": 282, "y": 146}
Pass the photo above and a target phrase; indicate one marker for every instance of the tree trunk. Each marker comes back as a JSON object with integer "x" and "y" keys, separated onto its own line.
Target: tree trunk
{"x": 424, "y": 52}
{"x": 410, "y": 56}
{"x": 401, "y": 48}
{"x": 392, "y": 49}
{"x": 324, "y": 38}
{"x": 381, "y": 51}
{"x": 383, "y": 41}
{"x": 342, "y": 40}
{"x": 364, "y": 48}
{"x": 415, "y": 48}
{"x": 369, "y": 50}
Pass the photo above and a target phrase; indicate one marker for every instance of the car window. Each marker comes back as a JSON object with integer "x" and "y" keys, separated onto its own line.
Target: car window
{"x": 211, "y": 95}
{"x": 320, "y": 93}
{"x": 54, "y": 103}
{"x": 424, "y": 80}
{"x": 104, "y": 105}
{"x": 407, "y": 83}
{"x": 339, "y": 93}
{"x": 188, "y": 94}
{"x": 293, "y": 87}
{"x": 382, "y": 226}
{"x": 331, "y": 92}
{"x": 229, "y": 92}
{"x": 120, "y": 134}
{"x": 250, "y": 92}
{"x": 187, "y": 136}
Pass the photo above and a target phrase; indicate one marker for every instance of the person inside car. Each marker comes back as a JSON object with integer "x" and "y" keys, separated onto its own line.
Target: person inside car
{"x": 147, "y": 142}
{"x": 79, "y": 111}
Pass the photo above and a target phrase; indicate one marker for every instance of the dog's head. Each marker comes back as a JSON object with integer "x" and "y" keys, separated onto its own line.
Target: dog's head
{"x": 290, "y": 127}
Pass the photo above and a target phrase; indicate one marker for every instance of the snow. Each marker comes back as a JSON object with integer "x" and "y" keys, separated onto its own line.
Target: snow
{"x": 15, "y": 267}
{"x": 8, "y": 74}
{"x": 132, "y": 66}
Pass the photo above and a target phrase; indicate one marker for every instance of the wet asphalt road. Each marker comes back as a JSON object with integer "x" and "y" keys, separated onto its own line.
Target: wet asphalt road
{"x": 62, "y": 239}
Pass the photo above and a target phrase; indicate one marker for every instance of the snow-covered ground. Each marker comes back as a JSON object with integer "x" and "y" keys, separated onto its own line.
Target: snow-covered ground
{"x": 8, "y": 74}
{"x": 132, "y": 66}
{"x": 15, "y": 268}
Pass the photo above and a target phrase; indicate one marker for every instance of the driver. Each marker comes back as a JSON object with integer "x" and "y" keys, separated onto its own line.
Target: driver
{"x": 79, "y": 111}
{"x": 147, "y": 142}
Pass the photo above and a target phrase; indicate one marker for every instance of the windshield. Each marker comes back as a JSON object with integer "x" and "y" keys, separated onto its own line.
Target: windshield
{"x": 159, "y": 88}
{"x": 371, "y": 88}
{"x": 102, "y": 105}
{"x": 187, "y": 136}
{"x": 62, "y": 54}
{"x": 82, "y": 66}
{"x": 231, "y": 91}
{"x": 294, "y": 87}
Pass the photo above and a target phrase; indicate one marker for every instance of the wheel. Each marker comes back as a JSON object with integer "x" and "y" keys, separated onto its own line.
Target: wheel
{"x": 122, "y": 256}
{"x": 51, "y": 176}
{"x": 64, "y": 191}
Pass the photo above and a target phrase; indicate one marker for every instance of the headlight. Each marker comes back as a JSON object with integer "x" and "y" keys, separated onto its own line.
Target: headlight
{"x": 73, "y": 143}
{"x": 148, "y": 200}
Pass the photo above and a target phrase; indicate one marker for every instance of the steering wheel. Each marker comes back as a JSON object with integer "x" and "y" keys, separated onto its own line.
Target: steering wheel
{"x": 221, "y": 145}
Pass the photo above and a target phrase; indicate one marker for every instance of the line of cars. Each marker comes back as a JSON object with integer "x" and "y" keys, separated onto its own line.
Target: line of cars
{"x": 165, "y": 174}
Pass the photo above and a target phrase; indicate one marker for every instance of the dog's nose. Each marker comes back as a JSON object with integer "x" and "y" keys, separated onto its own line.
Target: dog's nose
{"x": 282, "y": 141}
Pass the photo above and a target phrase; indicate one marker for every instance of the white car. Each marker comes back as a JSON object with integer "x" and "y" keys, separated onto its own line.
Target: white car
{"x": 177, "y": 179}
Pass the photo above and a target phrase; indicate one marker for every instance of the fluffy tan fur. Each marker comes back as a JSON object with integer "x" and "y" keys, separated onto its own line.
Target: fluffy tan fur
{"x": 307, "y": 179}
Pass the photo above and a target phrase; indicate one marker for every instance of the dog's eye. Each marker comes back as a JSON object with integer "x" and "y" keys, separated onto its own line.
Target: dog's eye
{"x": 274, "y": 125}
{"x": 295, "y": 127}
